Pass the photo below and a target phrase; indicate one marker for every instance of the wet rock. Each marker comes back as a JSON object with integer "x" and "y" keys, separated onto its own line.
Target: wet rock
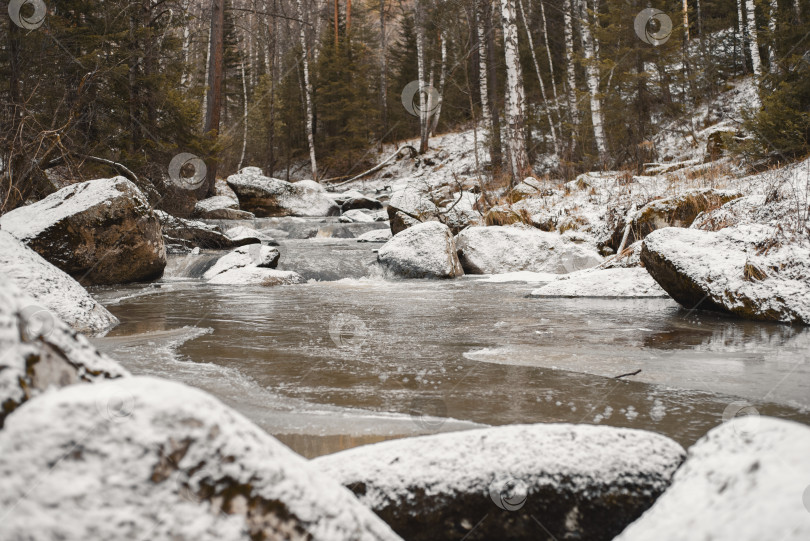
{"x": 426, "y": 250}
{"x": 525, "y": 481}
{"x": 195, "y": 234}
{"x": 400, "y": 221}
{"x": 269, "y": 197}
{"x": 378, "y": 235}
{"x": 52, "y": 288}
{"x": 501, "y": 249}
{"x": 101, "y": 231}
{"x": 745, "y": 480}
{"x": 40, "y": 351}
{"x": 254, "y": 255}
{"x": 220, "y": 208}
{"x": 143, "y": 458}
{"x": 676, "y": 211}
{"x": 603, "y": 283}
{"x": 745, "y": 270}
{"x": 361, "y": 202}
{"x": 244, "y": 234}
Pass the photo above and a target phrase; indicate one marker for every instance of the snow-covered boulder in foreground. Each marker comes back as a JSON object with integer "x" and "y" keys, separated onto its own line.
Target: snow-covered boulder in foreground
{"x": 426, "y": 250}
{"x": 377, "y": 235}
{"x": 52, "y": 288}
{"x": 220, "y": 207}
{"x": 500, "y": 249}
{"x": 143, "y": 458}
{"x": 38, "y": 351}
{"x": 744, "y": 270}
{"x": 101, "y": 231}
{"x": 254, "y": 255}
{"x": 577, "y": 481}
{"x": 628, "y": 283}
{"x": 269, "y": 197}
{"x": 743, "y": 481}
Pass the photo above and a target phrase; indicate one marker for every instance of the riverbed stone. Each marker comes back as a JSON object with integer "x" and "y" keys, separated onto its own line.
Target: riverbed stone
{"x": 254, "y": 255}
{"x": 272, "y": 197}
{"x": 633, "y": 282}
{"x": 220, "y": 207}
{"x": 39, "y": 351}
{"x": 362, "y": 202}
{"x": 513, "y": 482}
{"x": 101, "y": 231}
{"x": 501, "y": 249}
{"x": 409, "y": 205}
{"x": 196, "y": 234}
{"x": 745, "y": 480}
{"x": 426, "y": 250}
{"x": 378, "y": 235}
{"x": 144, "y": 458}
{"x": 745, "y": 271}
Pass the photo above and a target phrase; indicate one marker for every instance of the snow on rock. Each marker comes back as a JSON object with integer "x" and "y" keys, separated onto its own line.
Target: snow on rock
{"x": 500, "y": 249}
{"x": 196, "y": 234}
{"x": 745, "y": 270}
{"x": 244, "y": 234}
{"x": 377, "y": 235}
{"x": 426, "y": 250}
{"x": 101, "y": 231}
{"x": 220, "y": 207}
{"x": 578, "y": 481}
{"x": 361, "y": 202}
{"x": 52, "y": 288}
{"x": 254, "y": 255}
{"x": 144, "y": 458}
{"x": 38, "y": 351}
{"x": 410, "y": 204}
{"x": 341, "y": 197}
{"x": 362, "y": 216}
{"x": 256, "y": 276}
{"x": 221, "y": 188}
{"x": 743, "y": 481}
{"x": 629, "y": 283}
{"x": 268, "y": 197}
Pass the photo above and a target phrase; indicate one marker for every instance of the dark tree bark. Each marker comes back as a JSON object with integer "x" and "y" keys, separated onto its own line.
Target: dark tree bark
{"x": 216, "y": 74}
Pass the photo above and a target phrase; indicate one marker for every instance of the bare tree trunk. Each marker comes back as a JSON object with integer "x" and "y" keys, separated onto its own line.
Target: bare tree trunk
{"x": 496, "y": 149}
{"x": 741, "y": 33}
{"x": 592, "y": 72}
{"x": 216, "y": 74}
{"x": 482, "y": 63}
{"x": 798, "y": 9}
{"x": 308, "y": 92}
{"x": 539, "y": 76}
{"x": 571, "y": 78}
{"x": 244, "y": 117}
{"x": 442, "y": 79}
{"x": 699, "y": 19}
{"x": 772, "y": 27}
{"x": 348, "y": 17}
{"x": 383, "y": 73}
{"x": 753, "y": 41}
{"x": 515, "y": 116}
{"x": 551, "y": 67}
{"x": 337, "y": 19}
{"x": 420, "y": 67}
{"x": 686, "y": 20}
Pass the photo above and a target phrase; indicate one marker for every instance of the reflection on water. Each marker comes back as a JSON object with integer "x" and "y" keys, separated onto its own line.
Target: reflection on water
{"x": 329, "y": 365}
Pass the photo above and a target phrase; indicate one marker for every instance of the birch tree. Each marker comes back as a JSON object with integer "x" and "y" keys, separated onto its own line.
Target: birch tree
{"x": 515, "y": 93}
{"x": 592, "y": 75}
{"x": 442, "y": 79}
{"x": 741, "y": 33}
{"x": 571, "y": 78}
{"x": 307, "y": 91}
{"x": 420, "y": 70}
{"x": 482, "y": 63}
{"x": 753, "y": 41}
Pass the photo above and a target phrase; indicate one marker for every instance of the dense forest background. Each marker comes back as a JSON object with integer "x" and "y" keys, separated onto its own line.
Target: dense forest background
{"x": 315, "y": 87}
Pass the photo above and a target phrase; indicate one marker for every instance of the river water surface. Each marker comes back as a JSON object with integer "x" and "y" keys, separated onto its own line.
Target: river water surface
{"x": 350, "y": 358}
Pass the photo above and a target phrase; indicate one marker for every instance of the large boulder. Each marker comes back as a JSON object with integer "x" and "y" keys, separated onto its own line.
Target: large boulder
{"x": 196, "y": 234}
{"x": 362, "y": 202}
{"x": 634, "y": 282}
{"x": 220, "y": 207}
{"x": 546, "y": 481}
{"x": 746, "y": 480}
{"x": 101, "y": 231}
{"x": 501, "y": 249}
{"x": 254, "y": 255}
{"x": 52, "y": 288}
{"x": 426, "y": 250}
{"x": 410, "y": 204}
{"x": 143, "y": 458}
{"x": 746, "y": 271}
{"x": 38, "y": 351}
{"x": 268, "y": 197}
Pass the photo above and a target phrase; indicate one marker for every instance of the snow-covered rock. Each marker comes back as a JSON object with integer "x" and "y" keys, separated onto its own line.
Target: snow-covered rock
{"x": 242, "y": 234}
{"x": 254, "y": 255}
{"x": 256, "y": 276}
{"x": 629, "y": 283}
{"x": 377, "y": 235}
{"x": 143, "y": 458}
{"x": 221, "y": 188}
{"x": 268, "y": 197}
{"x": 744, "y": 481}
{"x": 746, "y": 270}
{"x": 426, "y": 250}
{"x": 52, "y": 288}
{"x": 578, "y": 481}
{"x": 101, "y": 231}
{"x": 220, "y": 207}
{"x": 341, "y": 197}
{"x": 363, "y": 216}
{"x": 361, "y": 202}
{"x": 500, "y": 249}
{"x": 195, "y": 234}
{"x": 38, "y": 350}
{"x": 409, "y": 205}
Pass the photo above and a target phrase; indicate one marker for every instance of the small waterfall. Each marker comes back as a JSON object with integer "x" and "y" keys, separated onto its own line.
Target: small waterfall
{"x": 190, "y": 265}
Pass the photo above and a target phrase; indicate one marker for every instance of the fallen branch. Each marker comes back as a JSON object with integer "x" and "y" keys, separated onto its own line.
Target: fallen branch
{"x": 629, "y": 374}
{"x": 377, "y": 167}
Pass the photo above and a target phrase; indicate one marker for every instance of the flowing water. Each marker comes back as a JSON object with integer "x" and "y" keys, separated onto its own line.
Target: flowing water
{"x": 350, "y": 358}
